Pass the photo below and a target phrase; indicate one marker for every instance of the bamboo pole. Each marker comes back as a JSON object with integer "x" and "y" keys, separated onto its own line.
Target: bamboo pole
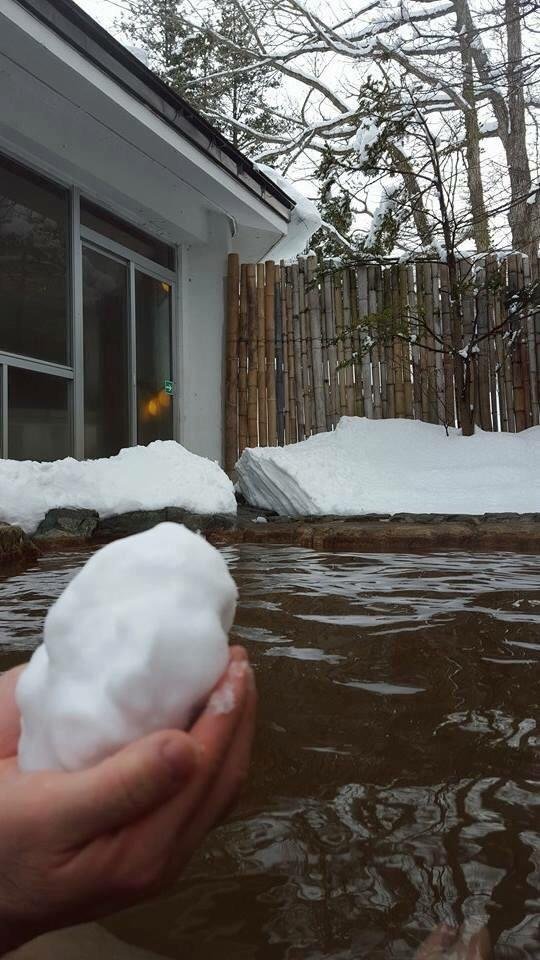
{"x": 299, "y": 398}
{"x": 342, "y": 371}
{"x": 252, "y": 420}
{"x": 316, "y": 350}
{"x": 483, "y": 395}
{"x": 305, "y": 349}
{"x": 516, "y": 359}
{"x": 330, "y": 333}
{"x": 242, "y": 363}
{"x": 373, "y": 307}
{"x": 524, "y": 348}
{"x": 390, "y": 374}
{"x": 414, "y": 307}
{"x": 531, "y": 349}
{"x": 292, "y": 425}
{"x": 405, "y": 345}
{"x": 269, "y": 319}
{"x": 280, "y": 392}
{"x": 348, "y": 343}
{"x": 397, "y": 344}
{"x": 448, "y": 361}
{"x": 261, "y": 358}
{"x": 494, "y": 402}
{"x": 364, "y": 354}
{"x": 284, "y": 350}
{"x": 231, "y": 373}
{"x": 507, "y": 361}
{"x": 437, "y": 331}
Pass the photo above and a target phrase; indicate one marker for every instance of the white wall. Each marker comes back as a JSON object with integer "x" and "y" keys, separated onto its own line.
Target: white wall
{"x": 202, "y": 340}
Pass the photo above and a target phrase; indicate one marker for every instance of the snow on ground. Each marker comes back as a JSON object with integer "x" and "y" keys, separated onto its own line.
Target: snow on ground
{"x": 395, "y": 466}
{"x": 163, "y": 474}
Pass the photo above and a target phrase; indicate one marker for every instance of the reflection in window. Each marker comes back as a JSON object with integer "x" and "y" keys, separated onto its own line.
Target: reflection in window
{"x": 38, "y": 416}
{"x": 153, "y": 316}
{"x": 106, "y": 380}
{"x": 33, "y": 266}
{"x": 103, "y": 222}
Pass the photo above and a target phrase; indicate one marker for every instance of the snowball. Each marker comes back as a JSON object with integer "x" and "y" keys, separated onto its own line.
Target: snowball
{"x": 134, "y": 644}
{"x": 163, "y": 474}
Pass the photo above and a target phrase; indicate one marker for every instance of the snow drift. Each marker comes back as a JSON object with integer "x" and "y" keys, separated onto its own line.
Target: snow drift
{"x": 163, "y": 474}
{"x": 394, "y": 466}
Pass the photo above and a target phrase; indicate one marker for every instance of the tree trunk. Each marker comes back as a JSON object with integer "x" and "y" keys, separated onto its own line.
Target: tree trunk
{"x": 480, "y": 228}
{"x": 523, "y": 216}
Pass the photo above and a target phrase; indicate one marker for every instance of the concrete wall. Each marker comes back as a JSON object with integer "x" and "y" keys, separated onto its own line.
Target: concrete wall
{"x": 202, "y": 340}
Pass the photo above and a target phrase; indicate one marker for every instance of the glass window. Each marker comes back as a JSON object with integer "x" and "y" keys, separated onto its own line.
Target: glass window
{"x": 153, "y": 318}
{"x": 33, "y": 266}
{"x": 39, "y": 425}
{"x": 123, "y": 233}
{"x": 106, "y": 379}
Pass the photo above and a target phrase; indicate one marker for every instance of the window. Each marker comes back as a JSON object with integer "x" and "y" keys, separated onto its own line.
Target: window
{"x": 153, "y": 318}
{"x": 39, "y": 425}
{"x": 106, "y": 357}
{"x": 33, "y": 266}
{"x": 104, "y": 223}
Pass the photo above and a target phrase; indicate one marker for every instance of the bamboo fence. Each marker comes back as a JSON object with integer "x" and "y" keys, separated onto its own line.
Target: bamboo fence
{"x": 307, "y": 344}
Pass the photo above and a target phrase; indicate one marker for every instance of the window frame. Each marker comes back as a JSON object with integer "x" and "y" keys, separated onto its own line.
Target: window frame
{"x": 74, "y": 371}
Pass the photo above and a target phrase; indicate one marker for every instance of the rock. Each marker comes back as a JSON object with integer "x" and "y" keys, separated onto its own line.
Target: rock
{"x": 124, "y": 524}
{"x": 15, "y": 545}
{"x": 68, "y": 523}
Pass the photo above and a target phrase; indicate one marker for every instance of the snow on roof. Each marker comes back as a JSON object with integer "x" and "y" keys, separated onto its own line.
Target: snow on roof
{"x": 305, "y": 218}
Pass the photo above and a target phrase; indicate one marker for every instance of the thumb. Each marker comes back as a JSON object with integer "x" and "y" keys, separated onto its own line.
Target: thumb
{"x": 121, "y": 789}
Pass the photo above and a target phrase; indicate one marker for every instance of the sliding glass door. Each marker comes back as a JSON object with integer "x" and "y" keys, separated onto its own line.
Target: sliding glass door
{"x": 128, "y": 379}
{"x": 153, "y": 303}
{"x": 106, "y": 353}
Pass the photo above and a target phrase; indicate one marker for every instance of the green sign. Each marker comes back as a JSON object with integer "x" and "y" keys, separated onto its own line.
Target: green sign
{"x": 168, "y": 386}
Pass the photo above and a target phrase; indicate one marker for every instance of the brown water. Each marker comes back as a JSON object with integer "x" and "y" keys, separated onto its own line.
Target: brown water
{"x": 396, "y": 780}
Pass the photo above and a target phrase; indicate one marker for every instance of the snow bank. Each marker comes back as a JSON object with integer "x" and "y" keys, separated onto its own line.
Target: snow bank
{"x": 163, "y": 474}
{"x": 305, "y": 219}
{"x": 134, "y": 644}
{"x": 394, "y": 466}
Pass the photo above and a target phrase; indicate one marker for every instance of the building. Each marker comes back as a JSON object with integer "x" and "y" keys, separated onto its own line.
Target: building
{"x": 118, "y": 207}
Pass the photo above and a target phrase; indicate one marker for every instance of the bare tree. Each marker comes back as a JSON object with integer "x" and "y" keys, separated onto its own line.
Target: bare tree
{"x": 485, "y": 92}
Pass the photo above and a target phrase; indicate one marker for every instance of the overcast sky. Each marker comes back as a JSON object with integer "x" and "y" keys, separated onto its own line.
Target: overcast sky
{"x": 104, "y": 11}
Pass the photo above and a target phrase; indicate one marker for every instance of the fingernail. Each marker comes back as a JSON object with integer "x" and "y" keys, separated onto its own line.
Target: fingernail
{"x": 238, "y": 669}
{"x": 180, "y": 757}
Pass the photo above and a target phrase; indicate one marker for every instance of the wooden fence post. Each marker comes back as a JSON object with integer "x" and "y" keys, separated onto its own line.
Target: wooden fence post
{"x": 269, "y": 319}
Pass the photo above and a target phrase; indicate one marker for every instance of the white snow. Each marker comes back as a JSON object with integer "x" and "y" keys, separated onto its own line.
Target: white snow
{"x": 488, "y": 126}
{"x": 394, "y": 466}
{"x": 367, "y": 134}
{"x": 134, "y": 644}
{"x": 163, "y": 474}
{"x": 305, "y": 218}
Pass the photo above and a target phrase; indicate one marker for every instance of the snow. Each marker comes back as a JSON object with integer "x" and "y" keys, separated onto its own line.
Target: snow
{"x": 394, "y": 466}
{"x": 488, "y": 126}
{"x": 163, "y": 474}
{"x": 367, "y": 134}
{"x": 134, "y": 644}
{"x": 305, "y": 218}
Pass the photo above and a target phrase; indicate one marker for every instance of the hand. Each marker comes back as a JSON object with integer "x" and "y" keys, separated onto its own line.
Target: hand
{"x": 448, "y": 942}
{"x": 76, "y": 846}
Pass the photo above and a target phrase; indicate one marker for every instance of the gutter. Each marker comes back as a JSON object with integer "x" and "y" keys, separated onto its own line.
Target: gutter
{"x": 83, "y": 33}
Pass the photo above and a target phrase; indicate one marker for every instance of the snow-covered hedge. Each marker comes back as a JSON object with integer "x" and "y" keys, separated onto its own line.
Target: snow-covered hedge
{"x": 164, "y": 474}
{"x": 395, "y": 466}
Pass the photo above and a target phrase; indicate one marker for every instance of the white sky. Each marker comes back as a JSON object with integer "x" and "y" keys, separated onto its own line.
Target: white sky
{"x": 104, "y": 11}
